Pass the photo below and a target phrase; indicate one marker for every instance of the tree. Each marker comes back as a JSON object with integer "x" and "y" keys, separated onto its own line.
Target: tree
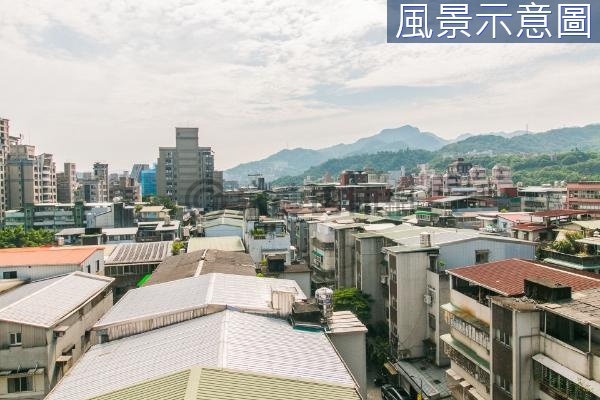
{"x": 352, "y": 299}
{"x": 261, "y": 202}
{"x": 11, "y": 237}
{"x": 177, "y": 247}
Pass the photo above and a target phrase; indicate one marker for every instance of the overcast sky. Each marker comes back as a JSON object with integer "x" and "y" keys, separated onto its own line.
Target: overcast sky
{"x": 109, "y": 80}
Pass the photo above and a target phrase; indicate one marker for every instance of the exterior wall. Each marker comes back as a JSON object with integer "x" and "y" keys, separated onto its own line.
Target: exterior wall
{"x": 344, "y": 258}
{"x": 471, "y": 306}
{"x": 370, "y": 270}
{"x": 301, "y": 278}
{"x": 526, "y": 343}
{"x": 95, "y": 261}
{"x": 438, "y": 286}
{"x": 411, "y": 309}
{"x": 463, "y": 253}
{"x": 40, "y": 347}
{"x": 352, "y": 347}
{"x": 224, "y": 230}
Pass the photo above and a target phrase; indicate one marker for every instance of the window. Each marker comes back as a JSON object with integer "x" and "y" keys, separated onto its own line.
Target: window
{"x": 503, "y": 383}
{"x": 9, "y": 275}
{"x": 482, "y": 256}
{"x": 97, "y": 265}
{"x": 21, "y": 384}
{"x": 431, "y": 320}
{"x": 89, "y": 269}
{"x": 15, "y": 338}
{"x": 503, "y": 337}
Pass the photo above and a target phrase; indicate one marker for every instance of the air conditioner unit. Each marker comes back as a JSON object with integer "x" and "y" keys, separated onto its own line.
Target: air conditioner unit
{"x": 428, "y": 300}
{"x": 384, "y": 279}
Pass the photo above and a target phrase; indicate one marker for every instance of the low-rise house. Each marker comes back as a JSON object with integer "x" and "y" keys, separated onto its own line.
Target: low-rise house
{"x": 45, "y": 327}
{"x": 36, "y": 263}
{"x": 129, "y": 263}
{"x": 225, "y": 243}
{"x": 102, "y": 235}
{"x": 154, "y": 306}
{"x": 202, "y": 262}
{"x": 222, "y": 226}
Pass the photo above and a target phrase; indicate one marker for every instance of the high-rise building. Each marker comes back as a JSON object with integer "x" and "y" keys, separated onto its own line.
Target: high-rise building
{"x": 67, "y": 184}
{"x": 4, "y": 141}
{"x": 148, "y": 182}
{"x": 185, "y": 172}
{"x": 95, "y": 190}
{"x": 31, "y": 178}
{"x": 136, "y": 171}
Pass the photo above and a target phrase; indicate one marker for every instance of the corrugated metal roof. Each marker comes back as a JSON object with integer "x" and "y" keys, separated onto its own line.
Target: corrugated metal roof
{"x": 222, "y": 221}
{"x": 129, "y": 253}
{"x": 225, "y": 384}
{"x": 52, "y": 302}
{"x": 15, "y": 294}
{"x": 46, "y": 255}
{"x": 507, "y": 277}
{"x": 224, "y": 243}
{"x": 228, "y": 339}
{"x": 244, "y": 292}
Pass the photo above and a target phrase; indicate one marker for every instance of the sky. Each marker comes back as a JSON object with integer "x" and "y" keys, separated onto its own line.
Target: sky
{"x": 110, "y": 80}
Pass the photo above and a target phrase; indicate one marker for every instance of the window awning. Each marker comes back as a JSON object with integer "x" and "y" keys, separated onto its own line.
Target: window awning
{"x": 573, "y": 376}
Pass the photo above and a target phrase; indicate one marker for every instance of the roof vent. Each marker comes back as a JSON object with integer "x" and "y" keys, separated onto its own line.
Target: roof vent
{"x": 425, "y": 239}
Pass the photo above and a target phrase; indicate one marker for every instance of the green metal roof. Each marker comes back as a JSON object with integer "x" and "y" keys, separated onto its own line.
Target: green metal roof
{"x": 210, "y": 383}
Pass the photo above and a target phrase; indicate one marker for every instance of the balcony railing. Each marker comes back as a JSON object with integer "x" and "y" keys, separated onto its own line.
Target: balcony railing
{"x": 579, "y": 261}
{"x": 322, "y": 245}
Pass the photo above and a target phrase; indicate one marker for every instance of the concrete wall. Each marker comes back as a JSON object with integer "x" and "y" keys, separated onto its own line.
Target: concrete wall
{"x": 224, "y": 230}
{"x": 352, "y": 347}
{"x": 412, "y": 310}
{"x": 461, "y": 254}
{"x": 369, "y": 270}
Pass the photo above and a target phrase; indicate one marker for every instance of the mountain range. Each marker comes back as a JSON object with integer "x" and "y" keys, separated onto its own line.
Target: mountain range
{"x": 293, "y": 162}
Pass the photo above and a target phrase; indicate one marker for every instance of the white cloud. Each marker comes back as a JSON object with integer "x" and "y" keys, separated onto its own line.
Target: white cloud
{"x": 109, "y": 80}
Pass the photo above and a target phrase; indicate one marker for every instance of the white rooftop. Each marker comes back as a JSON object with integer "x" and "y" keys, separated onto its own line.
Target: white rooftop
{"x": 227, "y": 339}
{"x": 248, "y": 293}
{"x": 45, "y": 303}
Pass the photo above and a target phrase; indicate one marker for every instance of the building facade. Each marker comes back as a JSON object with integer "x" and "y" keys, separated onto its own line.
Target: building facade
{"x": 4, "y": 148}
{"x": 67, "y": 184}
{"x": 584, "y": 196}
{"x": 185, "y": 173}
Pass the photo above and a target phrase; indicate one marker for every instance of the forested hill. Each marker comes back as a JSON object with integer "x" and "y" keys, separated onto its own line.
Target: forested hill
{"x": 529, "y": 169}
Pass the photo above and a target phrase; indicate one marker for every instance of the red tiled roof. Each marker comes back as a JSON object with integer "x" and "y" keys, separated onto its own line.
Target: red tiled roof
{"x": 46, "y": 255}
{"x": 507, "y": 277}
{"x": 531, "y": 227}
{"x": 558, "y": 213}
{"x": 515, "y": 217}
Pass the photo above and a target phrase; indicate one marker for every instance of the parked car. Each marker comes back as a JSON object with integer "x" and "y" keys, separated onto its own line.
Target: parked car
{"x": 390, "y": 392}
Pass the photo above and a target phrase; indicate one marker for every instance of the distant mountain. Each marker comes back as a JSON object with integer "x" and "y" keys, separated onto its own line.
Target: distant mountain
{"x": 483, "y": 150}
{"x": 556, "y": 140}
{"x": 296, "y": 161}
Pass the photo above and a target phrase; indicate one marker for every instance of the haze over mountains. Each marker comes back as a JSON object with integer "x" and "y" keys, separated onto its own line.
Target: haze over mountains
{"x": 292, "y": 162}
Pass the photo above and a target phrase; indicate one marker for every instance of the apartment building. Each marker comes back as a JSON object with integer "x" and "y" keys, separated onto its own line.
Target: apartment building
{"x": 136, "y": 171}
{"x": 522, "y": 330}
{"x": 148, "y": 182}
{"x": 31, "y": 178}
{"x": 542, "y": 198}
{"x": 266, "y": 237}
{"x": 4, "y": 150}
{"x": 414, "y": 284}
{"x": 126, "y": 189}
{"x": 45, "y": 327}
{"x": 584, "y": 196}
{"x": 67, "y": 184}
{"x": 185, "y": 173}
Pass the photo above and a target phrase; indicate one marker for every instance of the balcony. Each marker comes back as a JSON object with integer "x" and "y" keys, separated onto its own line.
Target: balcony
{"x": 583, "y": 262}
{"x": 467, "y": 359}
{"x": 322, "y": 245}
{"x": 467, "y": 325}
